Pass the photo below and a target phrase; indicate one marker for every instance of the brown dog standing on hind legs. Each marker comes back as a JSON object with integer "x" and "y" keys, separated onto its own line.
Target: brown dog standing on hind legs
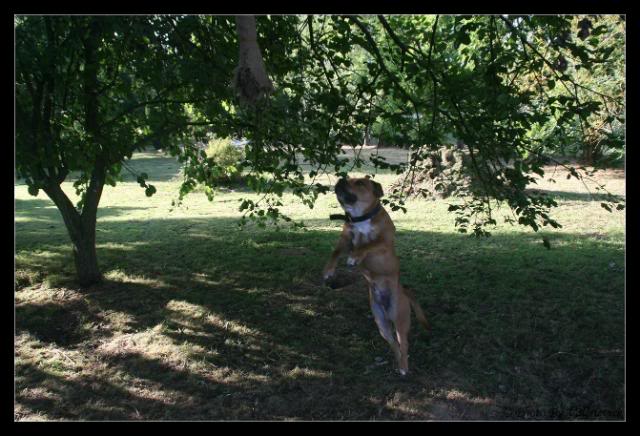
{"x": 368, "y": 235}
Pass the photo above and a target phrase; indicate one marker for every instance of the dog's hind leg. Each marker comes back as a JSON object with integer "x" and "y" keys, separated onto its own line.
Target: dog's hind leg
{"x": 380, "y": 300}
{"x": 403, "y": 324}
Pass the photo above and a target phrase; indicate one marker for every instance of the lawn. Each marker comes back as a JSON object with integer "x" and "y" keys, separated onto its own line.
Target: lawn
{"x": 199, "y": 319}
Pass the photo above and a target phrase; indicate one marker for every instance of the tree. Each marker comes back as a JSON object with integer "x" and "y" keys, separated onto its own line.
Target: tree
{"x": 92, "y": 90}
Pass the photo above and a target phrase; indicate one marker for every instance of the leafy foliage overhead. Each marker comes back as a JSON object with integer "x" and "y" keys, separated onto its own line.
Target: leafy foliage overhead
{"x": 489, "y": 81}
{"x": 514, "y": 89}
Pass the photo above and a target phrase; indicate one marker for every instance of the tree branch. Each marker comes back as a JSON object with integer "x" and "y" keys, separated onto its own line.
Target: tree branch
{"x": 392, "y": 34}
{"x": 315, "y": 49}
{"x": 550, "y": 65}
{"x": 405, "y": 49}
{"x": 69, "y": 213}
{"x": 433, "y": 76}
{"x": 376, "y": 53}
{"x": 251, "y": 81}
{"x": 141, "y": 104}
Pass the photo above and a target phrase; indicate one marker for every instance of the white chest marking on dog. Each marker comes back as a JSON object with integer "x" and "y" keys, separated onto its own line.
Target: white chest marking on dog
{"x": 362, "y": 232}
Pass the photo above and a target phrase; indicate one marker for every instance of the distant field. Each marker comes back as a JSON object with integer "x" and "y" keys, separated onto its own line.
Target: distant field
{"x": 200, "y": 319}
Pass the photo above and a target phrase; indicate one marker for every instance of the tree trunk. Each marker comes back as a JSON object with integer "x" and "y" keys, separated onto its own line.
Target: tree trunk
{"x": 250, "y": 78}
{"x": 367, "y": 136}
{"x": 86, "y": 260}
{"x": 587, "y": 154}
{"x": 82, "y": 231}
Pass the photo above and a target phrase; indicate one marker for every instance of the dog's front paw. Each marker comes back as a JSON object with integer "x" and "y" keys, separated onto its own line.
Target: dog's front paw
{"x": 328, "y": 274}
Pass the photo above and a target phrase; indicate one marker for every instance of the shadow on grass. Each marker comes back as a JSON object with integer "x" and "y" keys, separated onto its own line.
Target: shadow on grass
{"x": 45, "y": 211}
{"x": 203, "y": 321}
{"x": 572, "y": 196}
{"x": 51, "y": 322}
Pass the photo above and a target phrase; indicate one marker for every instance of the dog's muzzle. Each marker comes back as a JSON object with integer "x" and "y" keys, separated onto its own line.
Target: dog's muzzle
{"x": 343, "y": 194}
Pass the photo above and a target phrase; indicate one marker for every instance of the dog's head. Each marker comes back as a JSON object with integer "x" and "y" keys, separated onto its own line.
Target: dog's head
{"x": 356, "y": 196}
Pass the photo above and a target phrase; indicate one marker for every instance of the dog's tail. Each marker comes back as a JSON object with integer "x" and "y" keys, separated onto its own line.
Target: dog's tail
{"x": 422, "y": 319}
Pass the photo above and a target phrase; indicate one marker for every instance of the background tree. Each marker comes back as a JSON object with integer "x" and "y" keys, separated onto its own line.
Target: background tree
{"x": 597, "y": 47}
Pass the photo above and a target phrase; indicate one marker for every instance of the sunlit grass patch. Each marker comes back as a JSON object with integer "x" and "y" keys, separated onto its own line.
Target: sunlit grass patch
{"x": 118, "y": 275}
{"x": 298, "y": 372}
{"x": 149, "y": 343}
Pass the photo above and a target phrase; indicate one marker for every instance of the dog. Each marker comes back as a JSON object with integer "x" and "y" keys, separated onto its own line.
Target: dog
{"x": 368, "y": 236}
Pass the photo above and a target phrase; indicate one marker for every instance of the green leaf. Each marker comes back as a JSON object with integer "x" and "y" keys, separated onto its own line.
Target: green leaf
{"x": 33, "y": 190}
{"x": 150, "y": 190}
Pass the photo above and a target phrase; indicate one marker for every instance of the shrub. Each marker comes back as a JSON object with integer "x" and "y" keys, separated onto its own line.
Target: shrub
{"x": 223, "y": 152}
{"x": 228, "y": 156}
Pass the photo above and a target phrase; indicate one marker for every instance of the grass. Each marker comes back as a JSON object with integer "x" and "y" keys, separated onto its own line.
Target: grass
{"x": 198, "y": 319}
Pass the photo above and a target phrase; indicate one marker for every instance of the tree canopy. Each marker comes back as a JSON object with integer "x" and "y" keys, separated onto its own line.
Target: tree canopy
{"x": 515, "y": 89}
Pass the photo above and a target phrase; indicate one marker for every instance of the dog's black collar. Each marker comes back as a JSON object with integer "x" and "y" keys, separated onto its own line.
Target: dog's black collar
{"x": 348, "y": 218}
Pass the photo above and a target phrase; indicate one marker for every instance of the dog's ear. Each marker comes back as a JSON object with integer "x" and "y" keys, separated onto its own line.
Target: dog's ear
{"x": 377, "y": 189}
